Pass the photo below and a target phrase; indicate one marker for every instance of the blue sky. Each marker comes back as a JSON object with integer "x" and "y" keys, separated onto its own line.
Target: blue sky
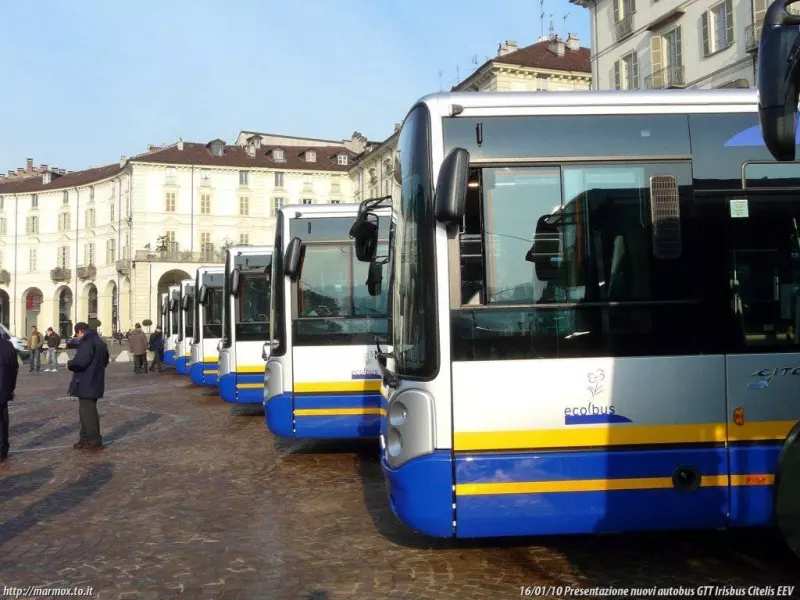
{"x": 85, "y": 82}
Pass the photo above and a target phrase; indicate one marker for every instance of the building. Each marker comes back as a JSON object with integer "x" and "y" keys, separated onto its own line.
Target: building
{"x": 103, "y": 243}
{"x": 551, "y": 64}
{"x": 673, "y": 44}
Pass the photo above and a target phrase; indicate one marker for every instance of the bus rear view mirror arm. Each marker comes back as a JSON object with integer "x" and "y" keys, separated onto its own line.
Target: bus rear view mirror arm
{"x": 778, "y": 79}
{"x": 202, "y": 295}
{"x": 235, "y": 275}
{"x": 292, "y": 261}
{"x": 451, "y": 190}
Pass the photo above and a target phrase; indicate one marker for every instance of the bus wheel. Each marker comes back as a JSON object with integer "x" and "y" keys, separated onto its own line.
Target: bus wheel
{"x": 787, "y": 490}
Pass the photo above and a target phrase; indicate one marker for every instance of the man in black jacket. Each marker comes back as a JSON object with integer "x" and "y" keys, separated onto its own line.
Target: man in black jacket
{"x": 157, "y": 346}
{"x": 9, "y": 368}
{"x": 88, "y": 384}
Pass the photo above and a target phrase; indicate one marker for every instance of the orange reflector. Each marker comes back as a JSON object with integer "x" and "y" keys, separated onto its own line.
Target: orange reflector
{"x": 738, "y": 416}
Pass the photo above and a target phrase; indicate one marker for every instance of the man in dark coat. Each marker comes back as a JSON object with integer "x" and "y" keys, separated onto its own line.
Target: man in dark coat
{"x": 157, "y": 346}
{"x": 88, "y": 384}
{"x": 9, "y": 368}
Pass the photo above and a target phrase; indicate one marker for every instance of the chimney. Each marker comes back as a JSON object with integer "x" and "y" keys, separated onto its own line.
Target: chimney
{"x": 397, "y": 127}
{"x": 29, "y": 165}
{"x": 507, "y": 47}
{"x": 251, "y": 150}
{"x": 122, "y": 160}
{"x": 572, "y": 42}
{"x": 43, "y": 168}
{"x": 180, "y": 145}
{"x": 20, "y": 170}
{"x": 11, "y": 172}
{"x": 556, "y": 46}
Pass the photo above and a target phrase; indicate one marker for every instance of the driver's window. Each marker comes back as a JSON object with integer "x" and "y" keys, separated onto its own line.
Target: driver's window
{"x": 324, "y": 288}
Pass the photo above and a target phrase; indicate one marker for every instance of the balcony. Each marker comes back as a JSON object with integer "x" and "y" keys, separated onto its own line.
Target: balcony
{"x": 671, "y": 77}
{"x": 124, "y": 266}
{"x": 752, "y": 36}
{"x": 60, "y": 274}
{"x": 623, "y": 28}
{"x": 180, "y": 256}
{"x": 87, "y": 272}
{"x": 5, "y": 277}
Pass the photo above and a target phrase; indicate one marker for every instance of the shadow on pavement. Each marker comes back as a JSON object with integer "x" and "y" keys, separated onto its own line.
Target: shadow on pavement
{"x": 24, "y": 483}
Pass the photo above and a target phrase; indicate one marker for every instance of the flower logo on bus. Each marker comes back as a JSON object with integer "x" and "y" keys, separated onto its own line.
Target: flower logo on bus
{"x": 766, "y": 376}
{"x": 594, "y": 414}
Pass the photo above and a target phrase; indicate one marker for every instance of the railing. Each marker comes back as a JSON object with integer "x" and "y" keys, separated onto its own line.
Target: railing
{"x": 5, "y": 277}
{"x": 623, "y": 27}
{"x": 60, "y": 274}
{"x": 752, "y": 36}
{"x": 87, "y": 272}
{"x": 178, "y": 256}
{"x": 124, "y": 266}
{"x": 666, "y": 78}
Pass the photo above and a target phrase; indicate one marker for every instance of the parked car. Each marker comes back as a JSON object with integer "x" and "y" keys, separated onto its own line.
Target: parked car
{"x": 19, "y": 343}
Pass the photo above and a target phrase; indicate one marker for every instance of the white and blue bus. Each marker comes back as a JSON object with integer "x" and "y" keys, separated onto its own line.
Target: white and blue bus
{"x": 183, "y": 346}
{"x": 245, "y": 326}
{"x": 326, "y": 310}
{"x": 163, "y": 313}
{"x": 594, "y": 322}
{"x": 174, "y": 320}
{"x": 208, "y": 325}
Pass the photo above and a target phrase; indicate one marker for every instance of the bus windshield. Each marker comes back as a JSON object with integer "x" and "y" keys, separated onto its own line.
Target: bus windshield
{"x": 187, "y": 315}
{"x": 212, "y": 314}
{"x": 175, "y": 317}
{"x": 252, "y": 308}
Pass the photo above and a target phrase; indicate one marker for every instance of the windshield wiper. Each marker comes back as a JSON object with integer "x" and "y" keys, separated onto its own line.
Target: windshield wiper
{"x": 389, "y": 378}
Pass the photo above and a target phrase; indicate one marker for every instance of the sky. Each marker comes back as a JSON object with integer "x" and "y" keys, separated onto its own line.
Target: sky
{"x": 86, "y": 82}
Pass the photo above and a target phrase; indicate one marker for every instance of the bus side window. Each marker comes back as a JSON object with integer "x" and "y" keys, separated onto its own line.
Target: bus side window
{"x": 472, "y": 267}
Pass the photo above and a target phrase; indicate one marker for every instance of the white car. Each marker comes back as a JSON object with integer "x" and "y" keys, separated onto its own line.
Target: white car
{"x": 19, "y": 343}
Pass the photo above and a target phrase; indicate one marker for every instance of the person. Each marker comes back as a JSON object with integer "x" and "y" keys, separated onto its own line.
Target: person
{"x": 88, "y": 383}
{"x": 35, "y": 346}
{"x": 9, "y": 368}
{"x": 157, "y": 346}
{"x": 138, "y": 345}
{"x": 53, "y": 341}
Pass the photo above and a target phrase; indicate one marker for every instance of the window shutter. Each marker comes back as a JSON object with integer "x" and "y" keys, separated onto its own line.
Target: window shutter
{"x": 678, "y": 46}
{"x": 616, "y": 76}
{"x": 759, "y": 10}
{"x": 616, "y": 10}
{"x": 631, "y": 7}
{"x": 706, "y": 47}
{"x": 656, "y": 60}
{"x": 729, "y": 33}
{"x": 635, "y": 70}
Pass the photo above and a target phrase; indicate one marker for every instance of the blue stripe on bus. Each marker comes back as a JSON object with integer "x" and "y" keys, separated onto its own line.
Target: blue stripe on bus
{"x": 196, "y": 373}
{"x": 169, "y": 357}
{"x": 230, "y": 392}
{"x": 199, "y": 375}
{"x": 279, "y": 416}
{"x": 753, "y": 505}
{"x": 227, "y": 387}
{"x": 337, "y": 400}
{"x": 182, "y": 365}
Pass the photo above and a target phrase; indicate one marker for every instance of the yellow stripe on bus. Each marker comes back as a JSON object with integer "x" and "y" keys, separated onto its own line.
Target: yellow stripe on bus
{"x": 338, "y": 386}
{"x": 250, "y": 369}
{"x": 210, "y": 372}
{"x": 577, "y": 436}
{"x": 329, "y": 412}
{"x": 603, "y": 485}
{"x": 250, "y": 386}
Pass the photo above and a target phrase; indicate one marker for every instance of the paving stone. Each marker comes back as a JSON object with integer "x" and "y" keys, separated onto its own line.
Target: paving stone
{"x": 194, "y": 498}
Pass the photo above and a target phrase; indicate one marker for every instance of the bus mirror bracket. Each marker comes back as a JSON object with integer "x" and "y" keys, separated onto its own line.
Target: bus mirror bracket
{"x": 185, "y": 302}
{"x": 292, "y": 262}
{"x": 235, "y": 275}
{"x": 451, "y": 190}
{"x": 365, "y": 234}
{"x": 778, "y": 80}
{"x": 374, "y": 278}
{"x": 545, "y": 253}
{"x": 173, "y": 304}
{"x": 202, "y": 295}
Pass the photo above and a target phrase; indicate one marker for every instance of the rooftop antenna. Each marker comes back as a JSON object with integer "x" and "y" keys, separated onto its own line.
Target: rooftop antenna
{"x": 475, "y": 60}
{"x": 440, "y": 80}
{"x": 541, "y": 15}
{"x": 552, "y": 29}
{"x": 565, "y": 23}
{"x": 458, "y": 75}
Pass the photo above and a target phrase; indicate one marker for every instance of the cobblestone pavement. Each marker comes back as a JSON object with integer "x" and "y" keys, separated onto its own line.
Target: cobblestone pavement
{"x": 194, "y": 499}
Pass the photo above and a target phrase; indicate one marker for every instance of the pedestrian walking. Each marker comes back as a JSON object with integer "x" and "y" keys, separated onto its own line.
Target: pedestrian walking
{"x": 9, "y": 368}
{"x": 35, "y": 343}
{"x": 138, "y": 345}
{"x": 53, "y": 341}
{"x": 88, "y": 383}
{"x": 157, "y": 346}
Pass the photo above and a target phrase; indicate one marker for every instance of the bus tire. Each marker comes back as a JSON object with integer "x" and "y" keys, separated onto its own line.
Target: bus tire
{"x": 787, "y": 490}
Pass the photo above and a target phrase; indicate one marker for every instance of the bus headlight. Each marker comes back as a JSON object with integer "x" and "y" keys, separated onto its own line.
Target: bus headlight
{"x": 412, "y": 424}
{"x": 273, "y": 380}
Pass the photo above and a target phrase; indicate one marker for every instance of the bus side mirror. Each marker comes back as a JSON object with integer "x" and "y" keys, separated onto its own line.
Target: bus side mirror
{"x": 374, "y": 278}
{"x": 173, "y": 304}
{"x": 235, "y": 274}
{"x": 185, "y": 302}
{"x": 202, "y": 296}
{"x": 292, "y": 260}
{"x": 365, "y": 233}
{"x": 545, "y": 253}
{"x": 451, "y": 190}
{"x": 778, "y": 73}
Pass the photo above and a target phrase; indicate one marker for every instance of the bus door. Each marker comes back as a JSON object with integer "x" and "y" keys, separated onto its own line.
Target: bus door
{"x": 763, "y": 366}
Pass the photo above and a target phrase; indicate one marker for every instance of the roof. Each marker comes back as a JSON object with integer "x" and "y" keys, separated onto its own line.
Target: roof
{"x": 237, "y": 156}
{"x": 538, "y": 56}
{"x": 250, "y": 134}
{"x": 78, "y": 178}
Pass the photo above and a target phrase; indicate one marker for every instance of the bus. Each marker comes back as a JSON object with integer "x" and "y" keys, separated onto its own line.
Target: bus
{"x": 208, "y": 325}
{"x": 163, "y": 314}
{"x": 183, "y": 348}
{"x": 245, "y": 326}
{"x": 595, "y": 314}
{"x": 322, "y": 379}
{"x": 171, "y": 334}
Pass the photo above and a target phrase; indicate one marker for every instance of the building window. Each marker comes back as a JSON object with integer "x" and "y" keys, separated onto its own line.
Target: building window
{"x": 63, "y": 257}
{"x": 278, "y": 180}
{"x": 3, "y": 226}
{"x": 244, "y": 206}
{"x": 717, "y": 27}
{"x": 336, "y": 201}
{"x": 64, "y": 221}
{"x": 171, "y": 178}
{"x": 169, "y": 205}
{"x": 205, "y": 204}
{"x": 2, "y": 202}
{"x": 244, "y": 239}
{"x": 626, "y": 72}
{"x": 65, "y": 197}
{"x": 88, "y": 254}
{"x": 35, "y": 201}
{"x": 307, "y": 180}
{"x": 90, "y": 218}
{"x": 205, "y": 176}
{"x": 341, "y": 159}
{"x": 311, "y": 156}
{"x": 278, "y": 155}
{"x": 169, "y": 238}
{"x": 111, "y": 251}
{"x": 32, "y": 225}
{"x": 335, "y": 186}
{"x": 112, "y": 212}
{"x": 206, "y": 247}
{"x": 277, "y": 204}
{"x": 91, "y": 193}
{"x": 243, "y": 177}
{"x": 307, "y": 201}
{"x": 32, "y": 260}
